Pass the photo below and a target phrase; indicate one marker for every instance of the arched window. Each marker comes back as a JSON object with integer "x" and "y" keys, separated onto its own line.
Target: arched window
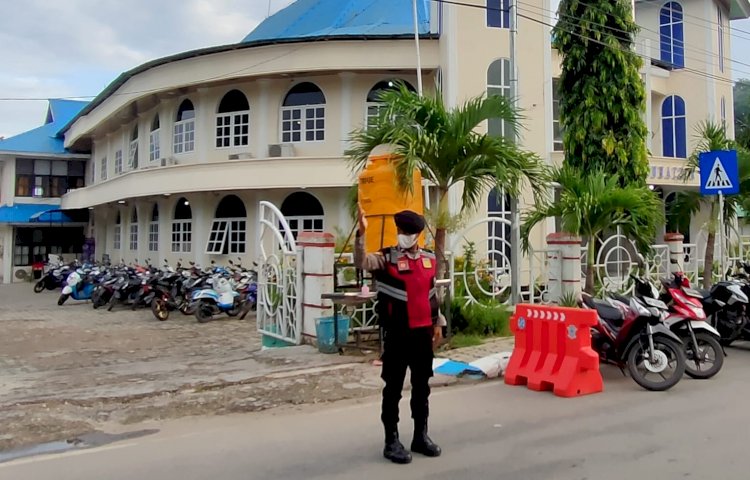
{"x": 182, "y": 227}
{"x": 154, "y": 147}
{"x": 303, "y": 114}
{"x": 674, "y": 127}
{"x": 374, "y": 105}
{"x": 233, "y": 120}
{"x": 133, "y": 150}
{"x": 134, "y": 230}
{"x": 672, "y": 35}
{"x": 498, "y": 83}
{"x": 498, "y": 13}
{"x": 153, "y": 230}
{"x": 498, "y": 232}
{"x": 184, "y": 128}
{"x": 677, "y": 222}
{"x": 229, "y": 228}
{"x": 117, "y": 235}
{"x": 303, "y": 213}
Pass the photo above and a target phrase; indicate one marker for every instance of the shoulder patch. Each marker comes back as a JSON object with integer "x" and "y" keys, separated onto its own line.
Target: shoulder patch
{"x": 428, "y": 254}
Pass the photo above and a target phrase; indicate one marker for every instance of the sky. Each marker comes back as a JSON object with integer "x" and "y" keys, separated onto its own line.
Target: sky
{"x": 75, "y": 48}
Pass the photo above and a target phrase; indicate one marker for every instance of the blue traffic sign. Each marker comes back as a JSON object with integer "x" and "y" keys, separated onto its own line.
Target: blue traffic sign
{"x": 719, "y": 172}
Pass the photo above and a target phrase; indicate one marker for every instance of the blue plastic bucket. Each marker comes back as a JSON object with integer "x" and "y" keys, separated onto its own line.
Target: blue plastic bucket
{"x": 324, "y": 332}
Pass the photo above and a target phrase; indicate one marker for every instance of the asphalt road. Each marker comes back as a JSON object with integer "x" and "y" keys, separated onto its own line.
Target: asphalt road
{"x": 488, "y": 431}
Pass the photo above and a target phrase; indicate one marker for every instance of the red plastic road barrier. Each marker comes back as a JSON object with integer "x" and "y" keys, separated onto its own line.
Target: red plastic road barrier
{"x": 553, "y": 350}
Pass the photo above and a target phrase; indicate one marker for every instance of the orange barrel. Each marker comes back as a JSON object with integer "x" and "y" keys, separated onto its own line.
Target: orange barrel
{"x": 380, "y": 198}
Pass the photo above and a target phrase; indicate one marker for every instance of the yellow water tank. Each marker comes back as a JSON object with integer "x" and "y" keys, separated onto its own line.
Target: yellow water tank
{"x": 381, "y": 198}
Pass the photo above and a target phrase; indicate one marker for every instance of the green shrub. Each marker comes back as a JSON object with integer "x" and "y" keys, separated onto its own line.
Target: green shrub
{"x": 461, "y": 340}
{"x": 490, "y": 319}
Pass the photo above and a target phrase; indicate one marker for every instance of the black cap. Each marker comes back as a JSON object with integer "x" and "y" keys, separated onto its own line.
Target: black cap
{"x": 409, "y": 222}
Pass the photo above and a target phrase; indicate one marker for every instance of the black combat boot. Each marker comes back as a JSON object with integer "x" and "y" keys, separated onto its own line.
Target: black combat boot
{"x": 394, "y": 449}
{"x": 421, "y": 442}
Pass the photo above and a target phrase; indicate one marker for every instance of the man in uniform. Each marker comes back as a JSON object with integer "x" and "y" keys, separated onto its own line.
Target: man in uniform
{"x": 412, "y": 325}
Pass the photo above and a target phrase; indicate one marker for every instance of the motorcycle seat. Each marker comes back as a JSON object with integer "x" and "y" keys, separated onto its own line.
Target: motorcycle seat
{"x": 609, "y": 314}
{"x": 705, "y": 293}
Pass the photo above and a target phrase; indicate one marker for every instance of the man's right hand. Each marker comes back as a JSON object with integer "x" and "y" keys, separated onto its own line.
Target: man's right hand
{"x": 362, "y": 220}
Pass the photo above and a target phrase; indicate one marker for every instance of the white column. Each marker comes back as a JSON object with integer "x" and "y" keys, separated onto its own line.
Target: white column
{"x": 564, "y": 261}
{"x": 265, "y": 120}
{"x": 347, "y": 80}
{"x": 8, "y": 247}
{"x": 202, "y": 205}
{"x": 205, "y": 135}
{"x": 317, "y": 275}
{"x": 676, "y": 251}
{"x": 166, "y": 211}
{"x": 167, "y": 115}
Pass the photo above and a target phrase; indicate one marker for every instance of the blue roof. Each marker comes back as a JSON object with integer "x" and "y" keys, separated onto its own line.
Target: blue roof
{"x": 31, "y": 213}
{"x": 47, "y": 138}
{"x": 337, "y": 18}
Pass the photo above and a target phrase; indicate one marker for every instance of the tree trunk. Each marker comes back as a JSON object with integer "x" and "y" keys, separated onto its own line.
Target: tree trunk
{"x": 441, "y": 231}
{"x": 590, "y": 267}
{"x": 708, "y": 261}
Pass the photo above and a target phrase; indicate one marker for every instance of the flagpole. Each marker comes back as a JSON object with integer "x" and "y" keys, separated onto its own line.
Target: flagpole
{"x": 416, "y": 42}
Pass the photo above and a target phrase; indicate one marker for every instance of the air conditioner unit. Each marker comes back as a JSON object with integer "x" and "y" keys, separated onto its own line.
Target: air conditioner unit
{"x": 241, "y": 156}
{"x": 280, "y": 150}
{"x": 166, "y": 162}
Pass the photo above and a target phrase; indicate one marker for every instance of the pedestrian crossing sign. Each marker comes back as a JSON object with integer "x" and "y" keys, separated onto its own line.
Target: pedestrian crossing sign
{"x": 719, "y": 172}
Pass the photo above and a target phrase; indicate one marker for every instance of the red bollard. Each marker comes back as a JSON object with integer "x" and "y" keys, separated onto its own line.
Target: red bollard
{"x": 553, "y": 351}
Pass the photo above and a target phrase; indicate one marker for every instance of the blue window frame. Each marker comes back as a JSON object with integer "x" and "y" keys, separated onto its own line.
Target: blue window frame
{"x": 498, "y": 13}
{"x": 672, "y": 35}
{"x": 674, "y": 127}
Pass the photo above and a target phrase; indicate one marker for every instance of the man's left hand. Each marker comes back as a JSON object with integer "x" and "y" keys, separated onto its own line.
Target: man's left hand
{"x": 437, "y": 337}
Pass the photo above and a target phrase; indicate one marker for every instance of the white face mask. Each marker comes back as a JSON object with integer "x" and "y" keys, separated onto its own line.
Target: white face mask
{"x": 406, "y": 241}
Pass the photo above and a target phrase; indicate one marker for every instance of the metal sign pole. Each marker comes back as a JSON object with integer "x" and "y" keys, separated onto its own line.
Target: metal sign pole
{"x": 721, "y": 237}
{"x": 515, "y": 256}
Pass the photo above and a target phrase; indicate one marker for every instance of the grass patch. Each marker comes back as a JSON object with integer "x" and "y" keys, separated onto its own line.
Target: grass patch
{"x": 462, "y": 340}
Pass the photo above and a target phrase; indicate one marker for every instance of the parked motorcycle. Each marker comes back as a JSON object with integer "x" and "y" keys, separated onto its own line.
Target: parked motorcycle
{"x": 78, "y": 286}
{"x": 687, "y": 319}
{"x": 55, "y": 276}
{"x": 633, "y": 335}
{"x": 213, "y": 301}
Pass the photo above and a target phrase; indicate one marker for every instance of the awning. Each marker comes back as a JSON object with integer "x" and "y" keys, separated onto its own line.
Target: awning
{"x": 32, "y": 213}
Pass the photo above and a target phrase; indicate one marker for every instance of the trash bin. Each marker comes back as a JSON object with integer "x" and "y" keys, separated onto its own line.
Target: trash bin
{"x": 324, "y": 331}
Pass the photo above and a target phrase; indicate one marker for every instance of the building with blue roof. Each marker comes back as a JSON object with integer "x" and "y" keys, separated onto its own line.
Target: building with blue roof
{"x": 37, "y": 170}
{"x": 184, "y": 148}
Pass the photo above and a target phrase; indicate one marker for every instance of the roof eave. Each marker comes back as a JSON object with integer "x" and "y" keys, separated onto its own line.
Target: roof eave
{"x": 739, "y": 9}
{"x": 124, "y": 77}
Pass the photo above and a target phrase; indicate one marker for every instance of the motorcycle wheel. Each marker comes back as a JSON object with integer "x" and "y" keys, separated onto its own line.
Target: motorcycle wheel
{"x": 112, "y": 302}
{"x": 668, "y": 352}
{"x": 62, "y": 298}
{"x": 203, "y": 313}
{"x": 708, "y": 344}
{"x": 188, "y": 308}
{"x": 39, "y": 286}
{"x": 159, "y": 309}
{"x": 245, "y": 310}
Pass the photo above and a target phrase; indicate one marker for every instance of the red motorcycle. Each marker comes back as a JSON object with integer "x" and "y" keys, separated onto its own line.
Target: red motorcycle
{"x": 687, "y": 319}
{"x": 631, "y": 334}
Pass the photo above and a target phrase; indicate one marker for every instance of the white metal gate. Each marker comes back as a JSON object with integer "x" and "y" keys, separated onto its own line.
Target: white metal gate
{"x": 479, "y": 261}
{"x": 279, "y": 277}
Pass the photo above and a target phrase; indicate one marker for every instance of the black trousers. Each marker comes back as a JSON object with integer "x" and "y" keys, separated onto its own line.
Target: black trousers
{"x": 406, "y": 348}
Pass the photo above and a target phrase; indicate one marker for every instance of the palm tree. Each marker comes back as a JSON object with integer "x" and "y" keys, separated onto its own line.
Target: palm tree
{"x": 711, "y": 137}
{"x": 445, "y": 147}
{"x": 594, "y": 202}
